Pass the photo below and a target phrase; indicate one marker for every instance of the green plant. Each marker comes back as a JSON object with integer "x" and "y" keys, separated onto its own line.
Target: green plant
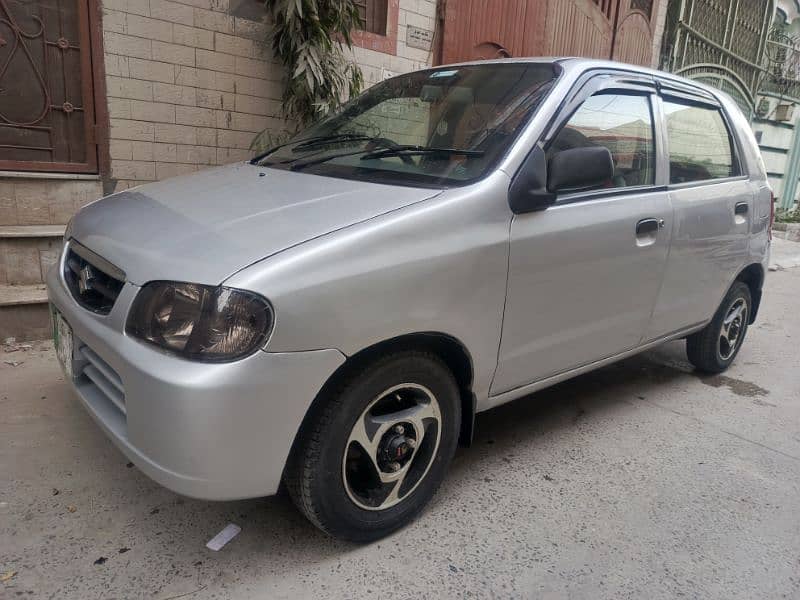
{"x": 791, "y": 215}
{"x": 309, "y": 38}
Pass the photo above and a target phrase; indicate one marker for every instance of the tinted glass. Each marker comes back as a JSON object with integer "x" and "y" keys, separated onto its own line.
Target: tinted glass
{"x": 699, "y": 144}
{"x": 479, "y": 109}
{"x": 623, "y": 124}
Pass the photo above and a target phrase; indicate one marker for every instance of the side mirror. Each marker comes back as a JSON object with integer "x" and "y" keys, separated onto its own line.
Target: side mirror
{"x": 528, "y": 191}
{"x": 580, "y": 169}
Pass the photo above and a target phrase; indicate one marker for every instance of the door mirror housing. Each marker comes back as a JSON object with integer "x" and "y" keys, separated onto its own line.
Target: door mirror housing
{"x": 528, "y": 191}
{"x": 578, "y": 169}
{"x": 538, "y": 181}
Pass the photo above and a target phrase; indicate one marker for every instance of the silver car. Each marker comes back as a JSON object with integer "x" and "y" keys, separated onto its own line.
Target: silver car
{"x": 332, "y": 314}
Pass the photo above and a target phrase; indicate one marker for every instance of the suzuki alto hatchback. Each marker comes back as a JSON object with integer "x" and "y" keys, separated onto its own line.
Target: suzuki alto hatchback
{"x": 333, "y": 313}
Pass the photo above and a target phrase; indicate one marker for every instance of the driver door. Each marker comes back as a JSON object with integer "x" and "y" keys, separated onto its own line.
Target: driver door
{"x": 584, "y": 273}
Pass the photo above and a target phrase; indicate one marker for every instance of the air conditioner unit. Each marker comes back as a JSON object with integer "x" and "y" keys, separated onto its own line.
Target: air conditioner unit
{"x": 784, "y": 112}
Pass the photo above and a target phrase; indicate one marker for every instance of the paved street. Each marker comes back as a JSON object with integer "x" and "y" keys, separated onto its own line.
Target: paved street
{"x": 641, "y": 480}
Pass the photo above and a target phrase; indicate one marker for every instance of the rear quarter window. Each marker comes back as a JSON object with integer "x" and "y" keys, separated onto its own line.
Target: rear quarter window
{"x": 700, "y": 145}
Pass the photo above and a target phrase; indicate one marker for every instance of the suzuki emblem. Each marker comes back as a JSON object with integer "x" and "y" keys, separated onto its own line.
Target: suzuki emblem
{"x": 85, "y": 278}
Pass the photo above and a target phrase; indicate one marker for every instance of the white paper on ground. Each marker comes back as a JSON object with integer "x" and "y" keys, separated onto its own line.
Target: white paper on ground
{"x": 223, "y": 537}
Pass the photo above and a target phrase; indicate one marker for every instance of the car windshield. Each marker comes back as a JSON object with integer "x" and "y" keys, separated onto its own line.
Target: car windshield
{"x": 439, "y": 127}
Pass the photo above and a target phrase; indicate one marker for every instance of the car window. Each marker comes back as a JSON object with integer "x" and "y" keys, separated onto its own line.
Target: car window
{"x": 700, "y": 146}
{"x": 622, "y": 123}
{"x": 438, "y": 127}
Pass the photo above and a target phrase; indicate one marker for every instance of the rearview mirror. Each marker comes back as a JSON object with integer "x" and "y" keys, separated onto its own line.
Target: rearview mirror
{"x": 580, "y": 169}
{"x": 528, "y": 191}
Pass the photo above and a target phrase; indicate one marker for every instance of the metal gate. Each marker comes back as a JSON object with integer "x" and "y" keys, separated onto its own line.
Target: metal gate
{"x": 720, "y": 43}
{"x": 480, "y": 29}
{"x": 46, "y": 95}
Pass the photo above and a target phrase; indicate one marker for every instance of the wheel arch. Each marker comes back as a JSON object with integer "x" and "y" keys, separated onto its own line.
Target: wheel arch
{"x": 449, "y": 349}
{"x": 753, "y": 276}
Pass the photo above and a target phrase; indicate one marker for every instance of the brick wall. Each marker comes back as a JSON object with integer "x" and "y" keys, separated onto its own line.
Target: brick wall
{"x": 377, "y": 65}
{"x": 188, "y": 86}
{"x": 190, "y": 83}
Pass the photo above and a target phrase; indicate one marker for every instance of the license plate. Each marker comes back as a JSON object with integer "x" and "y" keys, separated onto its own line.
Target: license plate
{"x": 62, "y": 339}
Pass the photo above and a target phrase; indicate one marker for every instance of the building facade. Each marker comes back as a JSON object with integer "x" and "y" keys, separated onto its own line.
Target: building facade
{"x": 101, "y": 95}
{"x": 751, "y": 50}
{"x": 98, "y": 96}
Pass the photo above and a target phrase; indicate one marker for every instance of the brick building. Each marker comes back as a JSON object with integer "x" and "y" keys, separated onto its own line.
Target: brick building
{"x": 102, "y": 95}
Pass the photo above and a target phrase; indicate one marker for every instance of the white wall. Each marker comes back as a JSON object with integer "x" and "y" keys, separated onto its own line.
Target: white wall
{"x": 775, "y": 143}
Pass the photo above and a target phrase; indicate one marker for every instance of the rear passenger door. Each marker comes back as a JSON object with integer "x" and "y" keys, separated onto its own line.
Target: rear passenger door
{"x": 584, "y": 274}
{"x": 712, "y": 203}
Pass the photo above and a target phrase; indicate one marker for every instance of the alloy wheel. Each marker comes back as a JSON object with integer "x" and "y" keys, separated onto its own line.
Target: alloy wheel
{"x": 391, "y": 446}
{"x": 732, "y": 330}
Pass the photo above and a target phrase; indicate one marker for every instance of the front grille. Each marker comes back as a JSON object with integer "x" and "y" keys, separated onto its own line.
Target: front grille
{"x": 101, "y": 380}
{"x": 93, "y": 281}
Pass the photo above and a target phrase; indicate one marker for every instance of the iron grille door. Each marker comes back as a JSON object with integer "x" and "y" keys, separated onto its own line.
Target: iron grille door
{"x": 46, "y": 95}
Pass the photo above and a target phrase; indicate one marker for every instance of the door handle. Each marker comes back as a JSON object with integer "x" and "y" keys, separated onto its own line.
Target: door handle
{"x": 741, "y": 208}
{"x": 646, "y": 226}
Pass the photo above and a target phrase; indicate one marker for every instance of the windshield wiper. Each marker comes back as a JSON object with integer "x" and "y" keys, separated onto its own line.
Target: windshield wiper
{"x": 327, "y": 139}
{"x": 414, "y": 150}
{"x": 302, "y": 164}
{"x": 388, "y": 152}
{"x": 310, "y": 142}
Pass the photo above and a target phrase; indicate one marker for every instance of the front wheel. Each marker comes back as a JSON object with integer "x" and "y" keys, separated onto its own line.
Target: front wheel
{"x": 371, "y": 456}
{"x": 713, "y": 348}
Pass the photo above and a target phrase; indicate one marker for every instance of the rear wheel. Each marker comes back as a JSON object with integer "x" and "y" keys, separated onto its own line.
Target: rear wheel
{"x": 713, "y": 348}
{"x": 372, "y": 455}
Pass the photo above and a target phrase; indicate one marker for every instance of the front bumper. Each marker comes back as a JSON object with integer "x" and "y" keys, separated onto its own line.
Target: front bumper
{"x": 211, "y": 431}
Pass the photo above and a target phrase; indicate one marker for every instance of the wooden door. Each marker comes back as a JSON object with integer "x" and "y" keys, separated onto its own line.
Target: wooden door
{"x": 580, "y": 28}
{"x": 633, "y": 41}
{"x": 46, "y": 95}
{"x": 484, "y": 29}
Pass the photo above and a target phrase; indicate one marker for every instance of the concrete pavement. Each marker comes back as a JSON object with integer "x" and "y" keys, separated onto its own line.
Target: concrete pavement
{"x": 641, "y": 480}
{"x": 785, "y": 255}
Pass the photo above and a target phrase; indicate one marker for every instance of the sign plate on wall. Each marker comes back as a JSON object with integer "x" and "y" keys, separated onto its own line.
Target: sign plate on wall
{"x": 419, "y": 38}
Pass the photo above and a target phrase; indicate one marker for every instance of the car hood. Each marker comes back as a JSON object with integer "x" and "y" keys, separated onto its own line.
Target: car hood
{"x": 206, "y": 226}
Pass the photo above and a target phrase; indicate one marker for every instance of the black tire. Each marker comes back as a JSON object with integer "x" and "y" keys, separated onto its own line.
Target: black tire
{"x": 314, "y": 473}
{"x": 704, "y": 348}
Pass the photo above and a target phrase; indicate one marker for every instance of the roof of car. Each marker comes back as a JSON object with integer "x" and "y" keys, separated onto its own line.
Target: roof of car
{"x": 579, "y": 64}
{"x": 571, "y": 62}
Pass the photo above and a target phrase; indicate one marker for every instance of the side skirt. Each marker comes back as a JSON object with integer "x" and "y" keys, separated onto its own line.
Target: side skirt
{"x": 535, "y": 386}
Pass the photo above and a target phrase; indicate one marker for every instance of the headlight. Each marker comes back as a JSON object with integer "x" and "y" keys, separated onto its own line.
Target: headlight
{"x": 215, "y": 324}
